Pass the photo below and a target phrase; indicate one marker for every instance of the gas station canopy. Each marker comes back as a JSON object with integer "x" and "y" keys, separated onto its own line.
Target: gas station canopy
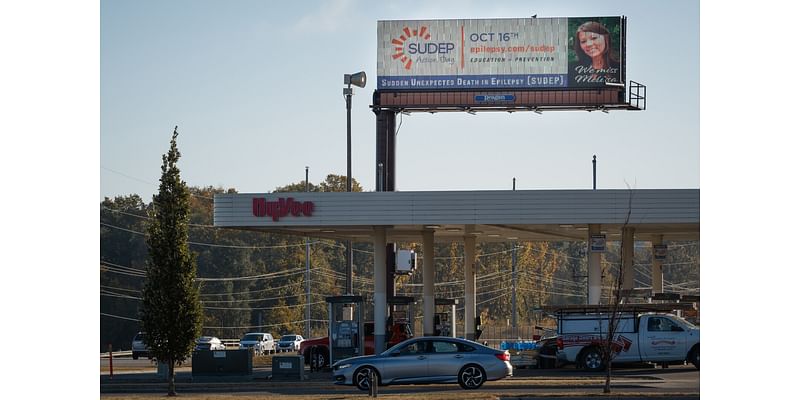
{"x": 490, "y": 216}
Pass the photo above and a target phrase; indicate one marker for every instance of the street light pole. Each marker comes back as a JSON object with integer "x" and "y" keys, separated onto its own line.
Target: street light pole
{"x": 348, "y": 95}
{"x": 359, "y": 79}
{"x": 514, "y": 275}
{"x": 308, "y": 279}
{"x": 348, "y": 282}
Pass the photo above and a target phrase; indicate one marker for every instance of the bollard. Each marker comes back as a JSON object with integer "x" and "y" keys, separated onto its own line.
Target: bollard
{"x": 312, "y": 359}
{"x": 373, "y": 384}
{"x": 110, "y": 362}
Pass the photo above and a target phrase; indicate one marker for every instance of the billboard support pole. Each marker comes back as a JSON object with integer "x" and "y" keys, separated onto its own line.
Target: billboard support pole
{"x": 384, "y": 178}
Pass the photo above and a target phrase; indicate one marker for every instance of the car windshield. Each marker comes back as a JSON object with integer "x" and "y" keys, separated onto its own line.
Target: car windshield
{"x": 139, "y": 336}
{"x": 251, "y": 337}
{"x": 288, "y": 338}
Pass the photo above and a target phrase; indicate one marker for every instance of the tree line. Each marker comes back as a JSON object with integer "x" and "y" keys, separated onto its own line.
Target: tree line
{"x": 255, "y": 282}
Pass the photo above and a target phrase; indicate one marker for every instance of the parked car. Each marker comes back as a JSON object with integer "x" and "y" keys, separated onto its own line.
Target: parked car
{"x": 315, "y": 351}
{"x": 261, "y": 343}
{"x": 290, "y": 343}
{"x": 138, "y": 347}
{"x": 208, "y": 343}
{"x": 430, "y": 359}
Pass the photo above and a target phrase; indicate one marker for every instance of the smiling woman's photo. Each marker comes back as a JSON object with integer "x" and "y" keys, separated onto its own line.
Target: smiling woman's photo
{"x": 594, "y": 56}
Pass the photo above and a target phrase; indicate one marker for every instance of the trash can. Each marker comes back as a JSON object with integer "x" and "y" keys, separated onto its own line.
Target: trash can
{"x": 222, "y": 362}
{"x": 288, "y": 367}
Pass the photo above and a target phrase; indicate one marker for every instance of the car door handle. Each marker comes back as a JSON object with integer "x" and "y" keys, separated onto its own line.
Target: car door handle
{"x": 420, "y": 357}
{"x": 458, "y": 356}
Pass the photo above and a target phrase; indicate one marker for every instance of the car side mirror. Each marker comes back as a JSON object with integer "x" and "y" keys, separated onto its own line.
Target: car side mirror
{"x": 394, "y": 353}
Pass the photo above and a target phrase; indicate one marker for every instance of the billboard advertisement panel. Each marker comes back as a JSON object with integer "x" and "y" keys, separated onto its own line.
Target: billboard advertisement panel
{"x": 481, "y": 54}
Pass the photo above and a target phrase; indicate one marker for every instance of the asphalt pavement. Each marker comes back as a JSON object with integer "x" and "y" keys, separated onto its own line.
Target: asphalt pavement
{"x": 675, "y": 382}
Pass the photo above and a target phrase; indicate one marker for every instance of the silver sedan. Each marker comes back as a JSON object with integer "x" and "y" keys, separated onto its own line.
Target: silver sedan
{"x": 430, "y": 359}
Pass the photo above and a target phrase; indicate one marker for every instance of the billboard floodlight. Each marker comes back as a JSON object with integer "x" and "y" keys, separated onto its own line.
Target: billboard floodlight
{"x": 358, "y": 79}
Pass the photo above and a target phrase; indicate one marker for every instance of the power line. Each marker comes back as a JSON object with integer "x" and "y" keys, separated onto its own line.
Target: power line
{"x": 224, "y": 327}
{"x": 264, "y": 308}
{"x": 119, "y": 317}
{"x": 148, "y": 182}
{"x": 141, "y": 273}
{"x": 122, "y": 296}
{"x": 149, "y": 218}
{"x": 210, "y": 244}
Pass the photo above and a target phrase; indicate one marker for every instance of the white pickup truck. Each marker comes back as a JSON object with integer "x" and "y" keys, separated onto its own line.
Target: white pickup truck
{"x": 644, "y": 334}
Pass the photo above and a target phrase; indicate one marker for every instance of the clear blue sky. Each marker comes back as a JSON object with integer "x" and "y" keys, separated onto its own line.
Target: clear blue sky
{"x": 256, "y": 90}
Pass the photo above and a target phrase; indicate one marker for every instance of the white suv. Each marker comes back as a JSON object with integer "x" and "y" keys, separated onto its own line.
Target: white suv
{"x": 208, "y": 343}
{"x": 290, "y": 343}
{"x": 262, "y": 343}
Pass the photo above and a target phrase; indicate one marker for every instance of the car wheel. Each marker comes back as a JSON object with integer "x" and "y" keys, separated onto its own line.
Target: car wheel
{"x": 592, "y": 360}
{"x": 135, "y": 356}
{"x": 361, "y": 379}
{"x": 695, "y": 358}
{"x": 471, "y": 377}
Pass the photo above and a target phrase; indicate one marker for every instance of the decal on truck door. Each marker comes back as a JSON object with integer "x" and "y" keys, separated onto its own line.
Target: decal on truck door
{"x": 621, "y": 343}
{"x": 662, "y": 336}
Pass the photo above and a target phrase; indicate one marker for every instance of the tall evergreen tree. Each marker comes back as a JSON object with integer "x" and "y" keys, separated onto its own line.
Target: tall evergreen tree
{"x": 171, "y": 313}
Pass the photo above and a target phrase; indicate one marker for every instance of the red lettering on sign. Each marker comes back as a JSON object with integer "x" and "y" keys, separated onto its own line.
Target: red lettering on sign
{"x": 281, "y": 208}
{"x": 259, "y": 207}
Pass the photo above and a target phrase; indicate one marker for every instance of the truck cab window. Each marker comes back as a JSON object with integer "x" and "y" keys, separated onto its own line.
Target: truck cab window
{"x": 657, "y": 324}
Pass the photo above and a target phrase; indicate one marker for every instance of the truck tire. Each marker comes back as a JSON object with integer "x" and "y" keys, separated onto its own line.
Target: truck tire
{"x": 591, "y": 360}
{"x": 319, "y": 359}
{"x": 694, "y": 357}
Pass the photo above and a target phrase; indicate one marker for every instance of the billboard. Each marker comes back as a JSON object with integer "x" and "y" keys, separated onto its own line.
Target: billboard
{"x": 503, "y": 54}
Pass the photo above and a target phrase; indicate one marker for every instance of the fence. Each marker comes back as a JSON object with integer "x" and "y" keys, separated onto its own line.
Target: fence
{"x": 494, "y": 334}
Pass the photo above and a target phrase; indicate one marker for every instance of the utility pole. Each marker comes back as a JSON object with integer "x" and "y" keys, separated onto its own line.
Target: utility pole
{"x": 514, "y": 274}
{"x": 308, "y": 279}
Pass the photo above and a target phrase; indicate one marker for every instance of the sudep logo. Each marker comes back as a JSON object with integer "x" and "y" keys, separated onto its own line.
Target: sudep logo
{"x": 414, "y": 47}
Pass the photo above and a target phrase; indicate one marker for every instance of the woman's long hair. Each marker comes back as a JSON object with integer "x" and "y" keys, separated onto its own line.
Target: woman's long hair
{"x": 594, "y": 27}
